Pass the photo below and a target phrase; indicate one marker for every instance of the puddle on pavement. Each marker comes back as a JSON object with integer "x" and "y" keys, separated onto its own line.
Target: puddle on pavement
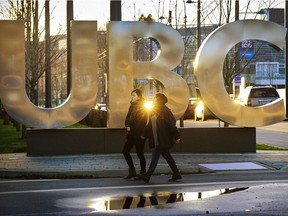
{"x": 153, "y": 200}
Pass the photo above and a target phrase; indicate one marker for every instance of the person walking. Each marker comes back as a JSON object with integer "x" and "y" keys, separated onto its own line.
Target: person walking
{"x": 135, "y": 122}
{"x": 163, "y": 134}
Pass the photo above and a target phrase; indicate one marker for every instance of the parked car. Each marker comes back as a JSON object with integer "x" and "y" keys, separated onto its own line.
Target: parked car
{"x": 254, "y": 96}
{"x": 189, "y": 113}
{"x": 197, "y": 110}
{"x": 102, "y": 107}
{"x": 202, "y": 112}
{"x": 97, "y": 117}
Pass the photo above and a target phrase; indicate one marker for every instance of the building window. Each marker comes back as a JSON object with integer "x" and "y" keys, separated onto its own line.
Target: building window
{"x": 267, "y": 73}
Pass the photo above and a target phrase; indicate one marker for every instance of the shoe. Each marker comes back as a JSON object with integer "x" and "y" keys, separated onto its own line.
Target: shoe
{"x": 145, "y": 177}
{"x": 139, "y": 176}
{"x": 131, "y": 174}
{"x": 176, "y": 176}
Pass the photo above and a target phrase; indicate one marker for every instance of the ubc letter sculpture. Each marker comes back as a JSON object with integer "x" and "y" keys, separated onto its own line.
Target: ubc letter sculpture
{"x": 84, "y": 77}
{"x": 209, "y": 65}
{"x": 123, "y": 70}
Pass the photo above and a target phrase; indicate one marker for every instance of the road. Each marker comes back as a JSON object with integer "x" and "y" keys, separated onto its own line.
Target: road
{"x": 255, "y": 191}
{"x": 275, "y": 135}
{"x": 237, "y": 193}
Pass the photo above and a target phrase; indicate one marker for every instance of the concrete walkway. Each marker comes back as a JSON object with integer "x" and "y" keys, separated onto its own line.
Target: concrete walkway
{"x": 114, "y": 165}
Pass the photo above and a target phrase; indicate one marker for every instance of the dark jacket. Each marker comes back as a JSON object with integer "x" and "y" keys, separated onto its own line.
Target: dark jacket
{"x": 136, "y": 118}
{"x": 167, "y": 131}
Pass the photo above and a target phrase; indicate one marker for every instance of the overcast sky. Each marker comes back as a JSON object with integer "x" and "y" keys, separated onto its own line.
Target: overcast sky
{"x": 132, "y": 9}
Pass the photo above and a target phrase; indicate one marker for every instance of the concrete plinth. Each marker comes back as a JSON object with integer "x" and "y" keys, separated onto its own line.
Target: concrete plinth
{"x": 70, "y": 141}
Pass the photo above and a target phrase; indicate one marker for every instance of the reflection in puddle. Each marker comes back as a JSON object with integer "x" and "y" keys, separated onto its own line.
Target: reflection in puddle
{"x": 151, "y": 200}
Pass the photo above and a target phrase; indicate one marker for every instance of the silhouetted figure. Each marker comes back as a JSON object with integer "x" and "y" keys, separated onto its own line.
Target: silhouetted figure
{"x": 135, "y": 122}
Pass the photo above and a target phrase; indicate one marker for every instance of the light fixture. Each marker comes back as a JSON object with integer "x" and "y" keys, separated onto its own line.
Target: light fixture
{"x": 262, "y": 11}
{"x": 190, "y": 1}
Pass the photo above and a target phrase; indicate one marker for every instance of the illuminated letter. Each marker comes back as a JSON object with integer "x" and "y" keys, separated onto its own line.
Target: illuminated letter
{"x": 122, "y": 68}
{"x": 209, "y": 65}
{"x": 12, "y": 77}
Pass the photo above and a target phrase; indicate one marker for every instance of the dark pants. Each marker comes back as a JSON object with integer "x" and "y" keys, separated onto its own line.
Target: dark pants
{"x": 130, "y": 143}
{"x": 155, "y": 158}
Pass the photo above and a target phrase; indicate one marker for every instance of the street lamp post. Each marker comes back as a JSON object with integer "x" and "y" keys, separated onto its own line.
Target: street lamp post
{"x": 237, "y": 66}
{"x": 198, "y": 29}
{"x": 286, "y": 58}
{"x": 69, "y": 9}
{"x": 198, "y": 24}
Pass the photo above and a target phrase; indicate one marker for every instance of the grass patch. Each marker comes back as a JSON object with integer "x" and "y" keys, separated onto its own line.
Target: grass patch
{"x": 10, "y": 139}
{"x": 260, "y": 146}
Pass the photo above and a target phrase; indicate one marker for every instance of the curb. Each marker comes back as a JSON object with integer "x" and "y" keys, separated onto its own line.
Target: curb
{"x": 119, "y": 173}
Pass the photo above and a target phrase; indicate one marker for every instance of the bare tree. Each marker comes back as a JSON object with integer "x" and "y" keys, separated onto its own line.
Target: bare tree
{"x": 36, "y": 59}
{"x": 214, "y": 14}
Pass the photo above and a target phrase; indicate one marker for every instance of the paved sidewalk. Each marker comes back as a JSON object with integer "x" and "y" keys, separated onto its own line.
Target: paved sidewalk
{"x": 114, "y": 165}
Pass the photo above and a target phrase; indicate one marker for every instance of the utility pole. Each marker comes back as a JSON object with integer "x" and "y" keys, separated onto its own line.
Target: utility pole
{"x": 115, "y": 10}
{"x": 236, "y": 10}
